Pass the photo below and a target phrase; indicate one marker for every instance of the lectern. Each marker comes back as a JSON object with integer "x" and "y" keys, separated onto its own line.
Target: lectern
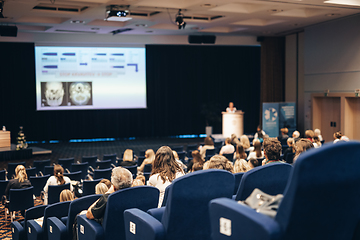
{"x": 233, "y": 123}
{"x": 5, "y": 139}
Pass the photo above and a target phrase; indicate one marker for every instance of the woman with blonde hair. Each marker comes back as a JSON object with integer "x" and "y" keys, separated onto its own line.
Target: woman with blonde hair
{"x": 57, "y": 179}
{"x": 101, "y": 188}
{"x": 128, "y": 158}
{"x": 245, "y": 142}
{"x": 149, "y": 158}
{"x": 20, "y": 180}
{"x": 241, "y": 166}
{"x": 66, "y": 195}
{"x": 164, "y": 170}
{"x": 257, "y": 153}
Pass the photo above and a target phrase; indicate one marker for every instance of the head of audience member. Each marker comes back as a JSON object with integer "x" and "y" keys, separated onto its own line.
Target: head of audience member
{"x": 59, "y": 174}
{"x": 240, "y": 152}
{"x": 20, "y": 173}
{"x": 272, "y": 149}
{"x": 234, "y": 140}
{"x": 284, "y": 131}
{"x": 317, "y": 132}
{"x": 150, "y": 154}
{"x": 337, "y": 135}
{"x": 197, "y": 157}
{"x": 106, "y": 182}
{"x": 165, "y": 164}
{"x": 121, "y": 178}
{"x": 302, "y": 146}
{"x": 309, "y": 134}
{"x": 137, "y": 182}
{"x": 241, "y": 166}
{"x": 228, "y": 141}
{"x": 141, "y": 178}
{"x": 176, "y": 156}
{"x": 128, "y": 155}
{"x": 101, "y": 188}
{"x": 66, "y": 195}
{"x": 197, "y": 166}
{"x": 290, "y": 142}
{"x": 245, "y": 141}
{"x": 208, "y": 141}
{"x": 253, "y": 162}
{"x": 257, "y": 148}
{"x": 219, "y": 162}
{"x": 317, "y": 140}
{"x": 296, "y": 134}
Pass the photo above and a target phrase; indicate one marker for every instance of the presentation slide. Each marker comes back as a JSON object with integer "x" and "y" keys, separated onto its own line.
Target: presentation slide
{"x": 75, "y": 78}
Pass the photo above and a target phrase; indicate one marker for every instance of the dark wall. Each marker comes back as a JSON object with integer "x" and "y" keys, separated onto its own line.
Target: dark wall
{"x": 181, "y": 81}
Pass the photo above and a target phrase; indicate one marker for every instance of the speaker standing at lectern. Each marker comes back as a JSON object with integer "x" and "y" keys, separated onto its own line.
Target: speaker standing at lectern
{"x": 231, "y": 108}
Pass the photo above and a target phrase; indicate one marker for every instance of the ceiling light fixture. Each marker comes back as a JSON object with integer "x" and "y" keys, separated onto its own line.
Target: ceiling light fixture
{"x": 179, "y": 19}
{"x": 344, "y": 2}
{"x": 117, "y": 13}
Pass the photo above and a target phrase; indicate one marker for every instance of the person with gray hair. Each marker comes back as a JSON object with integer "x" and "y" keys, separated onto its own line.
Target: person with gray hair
{"x": 121, "y": 178}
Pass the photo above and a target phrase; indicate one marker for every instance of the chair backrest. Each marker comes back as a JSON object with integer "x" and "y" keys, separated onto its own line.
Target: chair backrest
{"x": 54, "y": 192}
{"x": 66, "y": 163}
{"x": 11, "y": 169}
{"x": 121, "y": 200}
{"x": 58, "y": 210}
{"x": 140, "y": 160}
{"x": 229, "y": 156}
{"x": 177, "y": 148}
{"x": 142, "y": 153}
{"x": 31, "y": 171}
{"x": 190, "y": 148}
{"x": 2, "y": 174}
{"x": 182, "y": 156}
{"x": 89, "y": 159}
{"x": 103, "y": 164}
{"x": 21, "y": 199}
{"x": 76, "y": 206}
{"x": 218, "y": 144}
{"x": 89, "y": 187}
{"x": 3, "y": 184}
{"x": 271, "y": 178}
{"x": 132, "y": 169}
{"x": 189, "y": 198}
{"x": 38, "y": 183}
{"x": 238, "y": 177}
{"x": 75, "y": 176}
{"x": 210, "y": 152}
{"x": 289, "y": 158}
{"x": 323, "y": 187}
{"x": 83, "y": 167}
{"x": 40, "y": 164}
{"x": 111, "y": 157}
{"x": 48, "y": 170}
{"x": 102, "y": 173}
{"x": 147, "y": 168}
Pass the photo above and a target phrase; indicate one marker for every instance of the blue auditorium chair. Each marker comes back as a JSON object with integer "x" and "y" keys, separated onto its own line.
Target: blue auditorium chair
{"x": 90, "y": 159}
{"x": 190, "y": 148}
{"x": 48, "y": 170}
{"x": 66, "y": 163}
{"x": 37, "y": 232}
{"x": 83, "y": 167}
{"x": 57, "y": 229}
{"x": 3, "y": 175}
{"x": 38, "y": 183}
{"x": 20, "y": 199}
{"x": 103, "y": 164}
{"x": 40, "y": 165}
{"x": 102, "y": 173}
{"x": 3, "y": 184}
{"x": 11, "y": 169}
{"x": 238, "y": 177}
{"x": 112, "y": 157}
{"x": 142, "y": 197}
{"x": 177, "y": 148}
{"x": 185, "y": 215}
{"x": 182, "y": 156}
{"x": 209, "y": 153}
{"x": 89, "y": 187}
{"x": 54, "y": 192}
{"x": 229, "y": 156}
{"x": 19, "y": 229}
{"x": 31, "y": 172}
{"x": 142, "y": 153}
{"x": 75, "y": 176}
{"x": 132, "y": 169}
{"x": 140, "y": 160}
{"x": 289, "y": 158}
{"x": 320, "y": 201}
{"x": 147, "y": 168}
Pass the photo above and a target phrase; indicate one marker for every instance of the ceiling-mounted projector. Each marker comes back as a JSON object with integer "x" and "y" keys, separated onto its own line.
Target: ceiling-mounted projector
{"x": 117, "y": 13}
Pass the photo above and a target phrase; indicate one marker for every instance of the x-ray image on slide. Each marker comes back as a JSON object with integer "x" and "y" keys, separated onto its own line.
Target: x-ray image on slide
{"x": 53, "y": 94}
{"x": 80, "y": 93}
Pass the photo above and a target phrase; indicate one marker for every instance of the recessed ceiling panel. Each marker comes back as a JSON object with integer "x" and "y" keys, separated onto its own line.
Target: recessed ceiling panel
{"x": 301, "y": 13}
{"x": 222, "y": 29}
{"x": 240, "y": 8}
{"x": 49, "y": 20}
{"x": 258, "y": 22}
{"x": 165, "y": 26}
{"x": 183, "y": 4}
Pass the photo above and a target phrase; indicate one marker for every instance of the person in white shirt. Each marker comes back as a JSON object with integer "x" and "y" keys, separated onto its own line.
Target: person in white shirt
{"x": 228, "y": 148}
{"x": 317, "y": 133}
{"x": 231, "y": 108}
{"x": 257, "y": 153}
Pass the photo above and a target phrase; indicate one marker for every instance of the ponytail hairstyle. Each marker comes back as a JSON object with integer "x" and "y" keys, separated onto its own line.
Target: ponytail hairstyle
{"x": 257, "y": 148}
{"x": 20, "y": 173}
{"x": 59, "y": 174}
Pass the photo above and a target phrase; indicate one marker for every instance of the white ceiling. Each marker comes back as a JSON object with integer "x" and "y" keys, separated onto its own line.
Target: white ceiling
{"x": 232, "y": 17}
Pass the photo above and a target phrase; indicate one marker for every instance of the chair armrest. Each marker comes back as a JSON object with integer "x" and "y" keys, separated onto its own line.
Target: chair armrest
{"x": 139, "y": 225}
{"x": 34, "y": 230}
{"x": 88, "y": 229}
{"x": 56, "y": 229}
{"x": 17, "y": 231}
{"x": 231, "y": 220}
{"x": 157, "y": 213}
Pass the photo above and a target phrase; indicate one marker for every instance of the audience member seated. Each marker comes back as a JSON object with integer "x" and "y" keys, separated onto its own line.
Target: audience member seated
{"x": 257, "y": 153}
{"x": 228, "y": 148}
{"x": 219, "y": 162}
{"x": 284, "y": 135}
{"x": 241, "y": 165}
{"x": 197, "y": 159}
{"x": 296, "y": 136}
{"x": 128, "y": 158}
{"x": 291, "y": 148}
{"x": 231, "y": 108}
{"x": 344, "y": 138}
{"x": 20, "y": 181}
{"x": 121, "y": 178}
{"x": 141, "y": 178}
{"x": 137, "y": 182}
{"x": 317, "y": 133}
{"x": 272, "y": 150}
{"x": 101, "y": 188}
{"x": 240, "y": 152}
{"x": 260, "y": 134}
{"x": 317, "y": 142}
{"x": 149, "y": 158}
{"x": 253, "y": 162}
{"x": 245, "y": 142}
{"x": 309, "y": 134}
{"x": 337, "y": 136}
{"x": 301, "y": 146}
{"x": 177, "y": 159}
{"x": 208, "y": 144}
{"x": 234, "y": 140}
{"x": 57, "y": 179}
{"x": 165, "y": 170}
{"x": 66, "y": 195}
{"x": 107, "y": 182}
